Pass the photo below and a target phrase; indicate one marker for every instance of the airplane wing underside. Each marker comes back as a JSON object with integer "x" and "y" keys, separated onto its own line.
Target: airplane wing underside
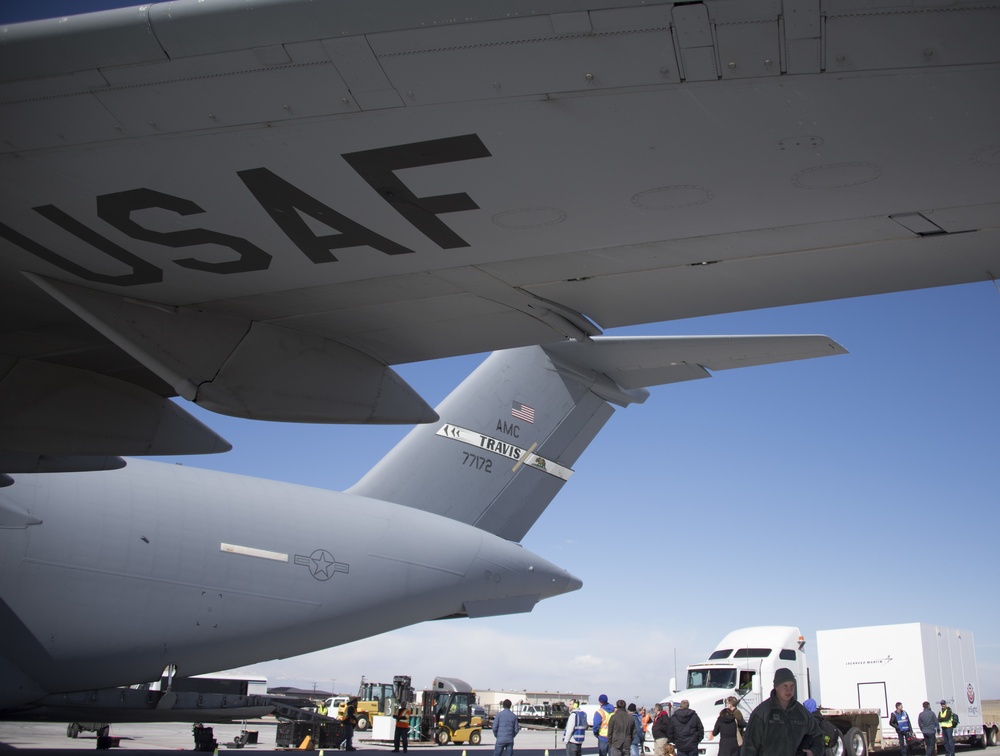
{"x": 262, "y": 211}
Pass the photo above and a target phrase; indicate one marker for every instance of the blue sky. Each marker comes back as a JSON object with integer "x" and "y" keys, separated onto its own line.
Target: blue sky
{"x": 839, "y": 492}
{"x": 845, "y": 491}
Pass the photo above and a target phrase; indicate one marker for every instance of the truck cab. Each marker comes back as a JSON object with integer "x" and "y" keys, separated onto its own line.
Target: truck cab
{"x": 742, "y": 665}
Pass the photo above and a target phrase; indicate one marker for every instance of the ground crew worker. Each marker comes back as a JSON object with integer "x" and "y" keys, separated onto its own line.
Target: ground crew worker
{"x": 899, "y": 720}
{"x": 402, "y": 734}
{"x": 947, "y": 719}
{"x": 350, "y": 722}
{"x": 576, "y": 730}
{"x": 601, "y": 717}
{"x": 322, "y": 709}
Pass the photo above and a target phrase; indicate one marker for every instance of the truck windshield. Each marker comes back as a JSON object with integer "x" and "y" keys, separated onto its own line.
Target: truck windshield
{"x": 711, "y": 678}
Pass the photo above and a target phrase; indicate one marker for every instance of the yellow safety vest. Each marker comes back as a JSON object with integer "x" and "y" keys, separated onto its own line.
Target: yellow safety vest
{"x": 949, "y": 722}
{"x": 605, "y": 718}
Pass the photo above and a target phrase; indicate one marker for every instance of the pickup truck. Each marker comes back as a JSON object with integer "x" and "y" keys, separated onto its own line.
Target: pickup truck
{"x": 542, "y": 715}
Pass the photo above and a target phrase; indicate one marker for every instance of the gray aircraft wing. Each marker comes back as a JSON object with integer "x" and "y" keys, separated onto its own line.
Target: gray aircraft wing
{"x": 262, "y": 206}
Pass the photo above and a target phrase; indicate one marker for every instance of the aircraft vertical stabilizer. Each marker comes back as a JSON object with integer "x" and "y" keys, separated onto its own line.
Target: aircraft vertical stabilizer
{"x": 509, "y": 434}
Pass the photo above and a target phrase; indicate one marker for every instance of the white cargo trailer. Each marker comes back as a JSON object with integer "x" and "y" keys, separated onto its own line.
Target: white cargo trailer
{"x": 862, "y": 673}
{"x": 873, "y": 667}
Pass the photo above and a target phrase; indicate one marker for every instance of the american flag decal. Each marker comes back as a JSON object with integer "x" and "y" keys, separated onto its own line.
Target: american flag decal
{"x": 522, "y": 412}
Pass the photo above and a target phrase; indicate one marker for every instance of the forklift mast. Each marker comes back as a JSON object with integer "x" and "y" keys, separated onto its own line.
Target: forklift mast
{"x": 403, "y": 690}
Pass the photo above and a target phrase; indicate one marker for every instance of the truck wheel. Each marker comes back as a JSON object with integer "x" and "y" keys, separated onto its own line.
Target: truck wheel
{"x": 854, "y": 743}
{"x": 72, "y": 730}
{"x": 475, "y": 738}
{"x": 442, "y": 737}
{"x": 362, "y": 724}
{"x": 993, "y": 736}
{"x": 836, "y": 747}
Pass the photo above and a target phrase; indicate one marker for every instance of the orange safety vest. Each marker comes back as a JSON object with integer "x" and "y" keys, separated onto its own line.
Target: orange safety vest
{"x": 403, "y": 719}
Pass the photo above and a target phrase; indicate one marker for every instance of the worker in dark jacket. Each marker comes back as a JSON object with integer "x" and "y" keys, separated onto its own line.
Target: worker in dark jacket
{"x": 780, "y": 724}
{"x": 899, "y": 720}
{"x": 350, "y": 722}
{"x": 661, "y": 721}
{"x": 640, "y": 731}
{"x": 621, "y": 730}
{"x": 686, "y": 730}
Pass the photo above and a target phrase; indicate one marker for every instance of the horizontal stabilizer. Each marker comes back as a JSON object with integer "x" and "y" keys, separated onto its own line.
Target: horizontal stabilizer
{"x": 641, "y": 361}
{"x": 510, "y": 433}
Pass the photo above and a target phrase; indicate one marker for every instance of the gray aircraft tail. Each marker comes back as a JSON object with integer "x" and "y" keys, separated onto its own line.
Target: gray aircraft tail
{"x": 509, "y": 434}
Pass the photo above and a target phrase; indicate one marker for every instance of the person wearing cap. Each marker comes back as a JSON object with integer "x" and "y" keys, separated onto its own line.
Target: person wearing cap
{"x": 780, "y": 724}
{"x": 899, "y": 720}
{"x": 601, "y": 718}
{"x": 929, "y": 728}
{"x": 947, "y": 719}
{"x": 686, "y": 730}
{"x": 576, "y": 730}
{"x": 637, "y": 736}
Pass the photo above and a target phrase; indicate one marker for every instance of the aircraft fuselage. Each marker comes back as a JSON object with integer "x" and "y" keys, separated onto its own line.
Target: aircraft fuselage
{"x": 201, "y": 569}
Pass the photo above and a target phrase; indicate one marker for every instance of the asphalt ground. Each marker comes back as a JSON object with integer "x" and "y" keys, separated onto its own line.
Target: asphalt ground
{"x": 43, "y": 738}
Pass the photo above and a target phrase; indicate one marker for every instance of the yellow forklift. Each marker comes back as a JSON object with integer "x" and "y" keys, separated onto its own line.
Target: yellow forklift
{"x": 378, "y": 699}
{"x": 446, "y": 713}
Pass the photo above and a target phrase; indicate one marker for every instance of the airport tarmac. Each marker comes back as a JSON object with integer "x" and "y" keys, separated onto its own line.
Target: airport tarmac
{"x": 50, "y": 738}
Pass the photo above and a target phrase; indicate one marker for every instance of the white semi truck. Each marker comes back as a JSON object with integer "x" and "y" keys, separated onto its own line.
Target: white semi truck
{"x": 743, "y": 665}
